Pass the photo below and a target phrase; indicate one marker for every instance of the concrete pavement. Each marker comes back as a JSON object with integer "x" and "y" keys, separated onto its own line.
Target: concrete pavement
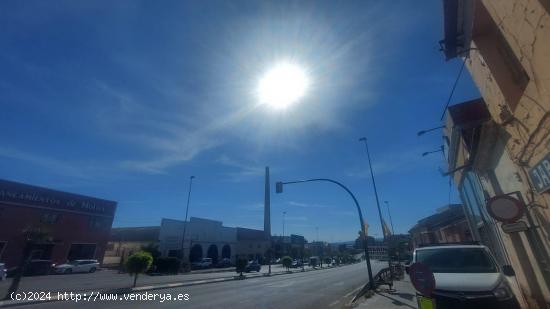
{"x": 328, "y": 288}
{"x": 403, "y": 296}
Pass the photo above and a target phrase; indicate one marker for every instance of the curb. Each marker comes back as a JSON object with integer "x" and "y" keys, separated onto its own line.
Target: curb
{"x": 119, "y": 291}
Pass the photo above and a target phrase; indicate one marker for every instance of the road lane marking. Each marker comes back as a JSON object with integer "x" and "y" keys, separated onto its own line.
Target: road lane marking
{"x": 334, "y": 303}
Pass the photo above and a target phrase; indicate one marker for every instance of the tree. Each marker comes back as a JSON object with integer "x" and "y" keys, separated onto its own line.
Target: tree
{"x": 153, "y": 249}
{"x": 138, "y": 263}
{"x": 287, "y": 262}
{"x": 313, "y": 262}
{"x": 241, "y": 265}
{"x": 32, "y": 236}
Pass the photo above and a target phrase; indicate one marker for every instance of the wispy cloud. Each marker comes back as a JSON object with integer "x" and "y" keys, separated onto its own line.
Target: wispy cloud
{"x": 306, "y": 205}
{"x": 253, "y": 207}
{"x": 241, "y": 170}
{"x": 395, "y": 162}
{"x": 52, "y": 164}
{"x": 296, "y": 218}
{"x": 167, "y": 135}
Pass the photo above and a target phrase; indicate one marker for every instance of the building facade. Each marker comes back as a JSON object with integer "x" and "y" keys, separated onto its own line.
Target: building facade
{"x": 124, "y": 241}
{"x": 503, "y": 148}
{"x": 71, "y": 226}
{"x": 448, "y": 225}
{"x": 203, "y": 238}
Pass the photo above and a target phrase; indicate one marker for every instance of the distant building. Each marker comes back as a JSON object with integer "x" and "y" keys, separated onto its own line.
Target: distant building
{"x": 292, "y": 245}
{"x": 125, "y": 241}
{"x": 448, "y": 225}
{"x": 71, "y": 226}
{"x": 203, "y": 238}
{"x": 252, "y": 244}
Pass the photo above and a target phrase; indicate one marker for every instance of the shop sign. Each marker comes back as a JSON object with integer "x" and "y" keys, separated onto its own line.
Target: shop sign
{"x": 12, "y": 192}
{"x": 540, "y": 174}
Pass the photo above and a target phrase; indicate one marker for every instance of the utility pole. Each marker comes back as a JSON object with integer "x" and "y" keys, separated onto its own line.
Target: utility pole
{"x": 185, "y": 221}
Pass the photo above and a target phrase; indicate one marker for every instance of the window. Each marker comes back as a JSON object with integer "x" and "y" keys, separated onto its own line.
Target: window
{"x": 2, "y": 246}
{"x": 499, "y": 57}
{"x": 81, "y": 251}
{"x": 97, "y": 222}
{"x": 457, "y": 260}
{"x": 50, "y": 218}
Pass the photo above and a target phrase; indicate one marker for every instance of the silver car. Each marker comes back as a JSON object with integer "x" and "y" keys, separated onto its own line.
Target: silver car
{"x": 77, "y": 266}
{"x": 3, "y": 272}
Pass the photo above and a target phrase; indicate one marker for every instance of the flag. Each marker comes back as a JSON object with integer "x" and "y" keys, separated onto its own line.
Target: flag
{"x": 385, "y": 229}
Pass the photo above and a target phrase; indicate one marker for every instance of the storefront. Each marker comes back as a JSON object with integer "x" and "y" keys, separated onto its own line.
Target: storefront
{"x": 51, "y": 225}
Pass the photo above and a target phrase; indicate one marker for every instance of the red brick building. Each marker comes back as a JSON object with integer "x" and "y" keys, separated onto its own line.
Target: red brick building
{"x": 75, "y": 226}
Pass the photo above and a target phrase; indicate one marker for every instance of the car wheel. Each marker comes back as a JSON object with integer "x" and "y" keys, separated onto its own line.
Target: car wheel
{"x": 68, "y": 271}
{"x": 92, "y": 270}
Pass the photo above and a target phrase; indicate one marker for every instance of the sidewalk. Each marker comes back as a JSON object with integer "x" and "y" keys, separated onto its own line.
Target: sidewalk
{"x": 402, "y": 296}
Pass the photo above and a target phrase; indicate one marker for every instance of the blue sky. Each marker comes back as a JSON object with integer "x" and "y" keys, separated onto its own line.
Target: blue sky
{"x": 125, "y": 100}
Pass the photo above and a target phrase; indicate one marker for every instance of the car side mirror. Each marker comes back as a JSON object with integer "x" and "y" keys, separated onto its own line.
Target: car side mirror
{"x": 508, "y": 270}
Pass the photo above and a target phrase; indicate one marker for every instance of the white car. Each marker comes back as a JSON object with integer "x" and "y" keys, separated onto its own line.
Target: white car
{"x": 3, "y": 272}
{"x": 77, "y": 266}
{"x": 466, "y": 276}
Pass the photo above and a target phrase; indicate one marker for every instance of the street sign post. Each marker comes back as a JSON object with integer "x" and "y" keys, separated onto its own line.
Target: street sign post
{"x": 519, "y": 226}
{"x": 505, "y": 208}
{"x": 423, "y": 280}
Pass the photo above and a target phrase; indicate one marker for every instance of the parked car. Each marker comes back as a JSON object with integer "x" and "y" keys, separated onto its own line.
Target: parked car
{"x": 224, "y": 263}
{"x": 77, "y": 266}
{"x": 34, "y": 268}
{"x": 202, "y": 264}
{"x": 3, "y": 272}
{"x": 466, "y": 276}
{"x": 296, "y": 264}
{"x": 253, "y": 266}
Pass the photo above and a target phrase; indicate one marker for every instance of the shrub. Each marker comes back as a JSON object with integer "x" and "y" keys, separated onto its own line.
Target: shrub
{"x": 138, "y": 263}
{"x": 241, "y": 265}
{"x": 286, "y": 261}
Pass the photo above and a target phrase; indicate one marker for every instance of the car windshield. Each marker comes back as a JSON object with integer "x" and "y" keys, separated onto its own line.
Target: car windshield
{"x": 456, "y": 260}
{"x": 73, "y": 262}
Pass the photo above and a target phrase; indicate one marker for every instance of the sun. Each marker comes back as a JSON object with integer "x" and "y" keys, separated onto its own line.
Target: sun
{"x": 283, "y": 85}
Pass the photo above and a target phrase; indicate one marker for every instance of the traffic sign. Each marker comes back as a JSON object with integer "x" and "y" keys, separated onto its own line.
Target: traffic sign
{"x": 422, "y": 278}
{"x": 505, "y": 208}
{"x": 519, "y": 226}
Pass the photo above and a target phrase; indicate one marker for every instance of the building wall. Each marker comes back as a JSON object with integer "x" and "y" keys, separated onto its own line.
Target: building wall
{"x": 79, "y": 220}
{"x": 202, "y": 232}
{"x": 510, "y": 63}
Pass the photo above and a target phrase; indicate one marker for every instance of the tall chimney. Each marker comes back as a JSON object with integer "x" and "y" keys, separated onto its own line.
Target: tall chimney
{"x": 267, "y": 206}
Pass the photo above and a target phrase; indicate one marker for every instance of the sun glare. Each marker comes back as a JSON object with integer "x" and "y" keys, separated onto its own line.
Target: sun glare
{"x": 283, "y": 85}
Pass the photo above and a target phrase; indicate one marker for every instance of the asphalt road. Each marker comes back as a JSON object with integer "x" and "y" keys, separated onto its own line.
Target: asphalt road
{"x": 110, "y": 279}
{"x": 328, "y": 288}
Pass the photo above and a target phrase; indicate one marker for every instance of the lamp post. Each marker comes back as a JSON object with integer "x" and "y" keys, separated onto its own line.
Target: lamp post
{"x": 185, "y": 221}
{"x": 279, "y": 189}
{"x": 284, "y": 214}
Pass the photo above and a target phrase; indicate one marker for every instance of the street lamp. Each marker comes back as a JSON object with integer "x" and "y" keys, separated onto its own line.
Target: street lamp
{"x": 185, "y": 221}
{"x": 422, "y": 132}
{"x": 279, "y": 189}
{"x": 433, "y": 151}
